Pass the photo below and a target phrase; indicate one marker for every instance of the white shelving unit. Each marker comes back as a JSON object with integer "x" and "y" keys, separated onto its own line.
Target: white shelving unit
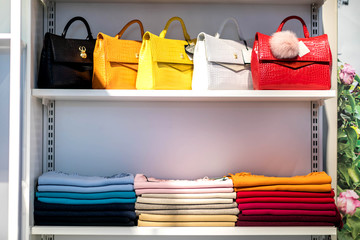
{"x": 70, "y": 130}
{"x": 184, "y": 231}
{"x": 181, "y": 95}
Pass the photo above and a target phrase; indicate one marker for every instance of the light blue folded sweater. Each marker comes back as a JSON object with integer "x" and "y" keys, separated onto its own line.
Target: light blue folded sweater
{"x": 60, "y": 178}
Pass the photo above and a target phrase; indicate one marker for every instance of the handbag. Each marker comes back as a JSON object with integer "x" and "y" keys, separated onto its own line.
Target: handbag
{"x": 220, "y": 63}
{"x": 116, "y": 60}
{"x": 66, "y": 63}
{"x": 275, "y": 64}
{"x": 163, "y": 63}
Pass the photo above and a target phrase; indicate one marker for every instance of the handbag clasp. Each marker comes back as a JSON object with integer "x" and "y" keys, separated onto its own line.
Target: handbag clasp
{"x": 83, "y": 52}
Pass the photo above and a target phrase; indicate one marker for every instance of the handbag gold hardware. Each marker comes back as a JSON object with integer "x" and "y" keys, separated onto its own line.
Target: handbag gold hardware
{"x": 83, "y": 52}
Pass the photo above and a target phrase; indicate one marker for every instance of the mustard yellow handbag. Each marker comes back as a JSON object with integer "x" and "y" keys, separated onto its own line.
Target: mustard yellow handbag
{"x": 163, "y": 63}
{"x": 116, "y": 60}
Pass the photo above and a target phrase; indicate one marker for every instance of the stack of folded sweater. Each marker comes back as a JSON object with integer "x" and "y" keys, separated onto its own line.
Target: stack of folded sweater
{"x": 285, "y": 201}
{"x": 73, "y": 200}
{"x": 195, "y": 203}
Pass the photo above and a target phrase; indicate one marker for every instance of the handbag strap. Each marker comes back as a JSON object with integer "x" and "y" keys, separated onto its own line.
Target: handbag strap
{"x": 90, "y": 37}
{"x": 163, "y": 32}
{"x": 221, "y": 29}
{"x": 119, "y": 35}
{"x": 306, "y": 32}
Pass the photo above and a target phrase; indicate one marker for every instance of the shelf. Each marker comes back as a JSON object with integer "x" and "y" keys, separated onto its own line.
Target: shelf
{"x": 182, "y": 95}
{"x": 290, "y": 2}
{"x": 5, "y": 40}
{"x": 183, "y": 231}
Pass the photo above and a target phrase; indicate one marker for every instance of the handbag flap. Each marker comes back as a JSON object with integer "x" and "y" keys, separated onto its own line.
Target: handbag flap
{"x": 223, "y": 50}
{"x": 121, "y": 51}
{"x": 67, "y": 50}
{"x": 318, "y": 46}
{"x": 168, "y": 50}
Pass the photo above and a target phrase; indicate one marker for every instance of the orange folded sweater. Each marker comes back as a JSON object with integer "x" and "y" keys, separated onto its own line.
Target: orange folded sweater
{"x": 246, "y": 180}
{"x": 294, "y": 188}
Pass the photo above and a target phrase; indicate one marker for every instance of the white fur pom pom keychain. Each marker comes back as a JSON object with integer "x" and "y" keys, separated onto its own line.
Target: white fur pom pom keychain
{"x": 284, "y": 45}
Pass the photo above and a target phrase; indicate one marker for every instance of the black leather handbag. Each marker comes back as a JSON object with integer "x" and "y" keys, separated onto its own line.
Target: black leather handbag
{"x": 67, "y": 63}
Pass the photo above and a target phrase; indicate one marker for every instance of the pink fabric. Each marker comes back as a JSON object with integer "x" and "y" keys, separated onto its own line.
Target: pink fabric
{"x": 183, "y": 190}
{"x": 249, "y": 194}
{"x": 294, "y": 206}
{"x": 287, "y": 212}
{"x": 247, "y": 223}
{"x": 141, "y": 181}
{"x": 284, "y": 200}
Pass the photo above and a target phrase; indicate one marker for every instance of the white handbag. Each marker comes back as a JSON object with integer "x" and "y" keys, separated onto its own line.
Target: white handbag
{"x": 221, "y": 64}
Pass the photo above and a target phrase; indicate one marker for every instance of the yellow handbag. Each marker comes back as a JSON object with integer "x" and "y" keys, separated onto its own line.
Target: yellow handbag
{"x": 116, "y": 60}
{"x": 163, "y": 63}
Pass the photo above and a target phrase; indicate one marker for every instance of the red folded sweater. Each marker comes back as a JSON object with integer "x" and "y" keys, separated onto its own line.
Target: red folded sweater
{"x": 287, "y": 212}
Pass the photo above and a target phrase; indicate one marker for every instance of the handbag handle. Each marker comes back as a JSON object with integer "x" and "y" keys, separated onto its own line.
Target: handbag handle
{"x": 221, "y": 29}
{"x": 163, "y": 32}
{"x": 119, "y": 35}
{"x": 306, "y": 32}
{"x": 90, "y": 37}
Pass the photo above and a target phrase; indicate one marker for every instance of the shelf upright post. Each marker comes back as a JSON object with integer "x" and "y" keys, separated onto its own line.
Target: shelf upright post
{"x": 317, "y": 161}
{"x": 49, "y": 108}
{"x": 14, "y": 122}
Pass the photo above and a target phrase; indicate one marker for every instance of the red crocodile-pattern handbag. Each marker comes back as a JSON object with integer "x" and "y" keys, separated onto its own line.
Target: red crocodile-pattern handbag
{"x": 309, "y": 72}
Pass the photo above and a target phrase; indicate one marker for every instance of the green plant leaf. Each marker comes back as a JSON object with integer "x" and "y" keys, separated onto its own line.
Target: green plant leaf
{"x": 345, "y": 117}
{"x": 352, "y": 136}
{"x": 357, "y": 78}
{"x": 343, "y": 146}
{"x": 343, "y": 170}
{"x": 354, "y": 224}
{"x": 354, "y": 174}
{"x": 341, "y": 133}
{"x": 344, "y": 235}
{"x": 351, "y": 101}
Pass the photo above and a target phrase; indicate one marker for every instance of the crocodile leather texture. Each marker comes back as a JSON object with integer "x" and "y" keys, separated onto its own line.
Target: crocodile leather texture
{"x": 309, "y": 72}
{"x": 163, "y": 63}
{"x": 66, "y": 63}
{"x": 116, "y": 60}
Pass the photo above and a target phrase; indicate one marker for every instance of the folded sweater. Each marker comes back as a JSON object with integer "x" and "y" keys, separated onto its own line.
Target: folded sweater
{"x": 245, "y": 179}
{"x": 101, "y": 195}
{"x": 185, "y": 224}
{"x": 227, "y": 211}
{"x": 189, "y": 196}
{"x": 294, "y": 206}
{"x": 76, "y": 189}
{"x": 150, "y": 206}
{"x": 141, "y": 181}
{"x": 284, "y": 200}
{"x": 86, "y": 201}
{"x": 183, "y": 201}
{"x": 60, "y": 178}
{"x": 184, "y": 190}
{"x": 187, "y": 218}
{"x": 297, "y": 188}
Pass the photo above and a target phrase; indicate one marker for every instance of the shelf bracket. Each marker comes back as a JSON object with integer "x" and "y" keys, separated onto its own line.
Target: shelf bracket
{"x": 49, "y": 135}
{"x": 316, "y": 137}
{"x": 47, "y": 237}
{"x": 49, "y": 16}
{"x": 314, "y": 20}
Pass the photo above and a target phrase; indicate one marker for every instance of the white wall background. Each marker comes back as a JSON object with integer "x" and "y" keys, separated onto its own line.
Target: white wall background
{"x": 349, "y": 34}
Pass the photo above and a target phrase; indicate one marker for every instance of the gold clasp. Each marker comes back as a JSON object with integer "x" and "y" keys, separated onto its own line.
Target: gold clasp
{"x": 83, "y": 52}
{"x": 235, "y": 56}
{"x": 136, "y": 55}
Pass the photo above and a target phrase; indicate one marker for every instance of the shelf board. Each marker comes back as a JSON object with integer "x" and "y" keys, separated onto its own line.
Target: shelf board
{"x": 5, "y": 40}
{"x": 289, "y": 2}
{"x": 182, "y": 95}
{"x": 182, "y": 231}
